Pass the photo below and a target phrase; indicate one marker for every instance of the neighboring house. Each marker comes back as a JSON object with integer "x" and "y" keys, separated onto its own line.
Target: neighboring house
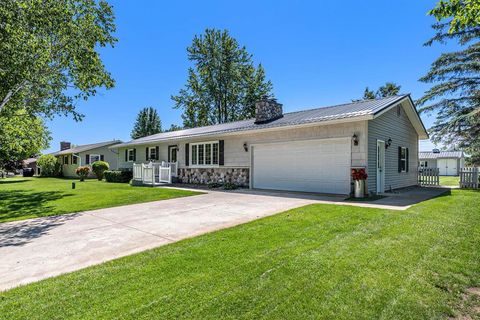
{"x": 72, "y": 157}
{"x": 311, "y": 150}
{"x": 449, "y": 163}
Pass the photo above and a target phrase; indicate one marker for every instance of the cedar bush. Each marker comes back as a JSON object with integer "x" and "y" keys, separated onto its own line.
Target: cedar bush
{"x": 118, "y": 176}
{"x": 82, "y": 172}
{"x": 99, "y": 167}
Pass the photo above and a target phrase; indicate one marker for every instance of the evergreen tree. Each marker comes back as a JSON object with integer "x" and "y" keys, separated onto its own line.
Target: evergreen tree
{"x": 368, "y": 94}
{"x": 173, "y": 127}
{"x": 388, "y": 90}
{"x": 455, "y": 94}
{"x": 223, "y": 83}
{"x": 147, "y": 123}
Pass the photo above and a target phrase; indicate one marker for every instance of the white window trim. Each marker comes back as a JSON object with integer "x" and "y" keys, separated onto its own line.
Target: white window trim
{"x": 150, "y": 153}
{"x": 404, "y": 159}
{"x": 211, "y": 154}
{"x": 128, "y": 155}
{"x": 93, "y": 155}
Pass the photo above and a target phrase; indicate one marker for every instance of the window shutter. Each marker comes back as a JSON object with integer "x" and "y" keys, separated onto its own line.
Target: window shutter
{"x": 406, "y": 160}
{"x": 157, "y": 156}
{"x": 126, "y": 155}
{"x": 134, "y": 154}
{"x": 221, "y": 153}
{"x": 187, "y": 160}
{"x": 399, "y": 159}
{"x": 146, "y": 154}
{"x": 87, "y": 159}
{"x": 102, "y": 158}
{"x": 168, "y": 155}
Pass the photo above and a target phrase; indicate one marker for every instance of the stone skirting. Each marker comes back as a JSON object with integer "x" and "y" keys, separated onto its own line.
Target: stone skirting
{"x": 239, "y": 176}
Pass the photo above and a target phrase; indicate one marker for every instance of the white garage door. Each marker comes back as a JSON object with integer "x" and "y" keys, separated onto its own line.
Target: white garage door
{"x": 312, "y": 166}
{"x": 447, "y": 167}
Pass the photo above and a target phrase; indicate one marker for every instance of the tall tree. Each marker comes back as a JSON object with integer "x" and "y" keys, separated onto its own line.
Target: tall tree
{"x": 368, "y": 94}
{"x": 21, "y": 136}
{"x": 223, "y": 83}
{"x": 173, "y": 127}
{"x": 147, "y": 123}
{"x": 455, "y": 94}
{"x": 387, "y": 90}
{"x": 49, "y": 54}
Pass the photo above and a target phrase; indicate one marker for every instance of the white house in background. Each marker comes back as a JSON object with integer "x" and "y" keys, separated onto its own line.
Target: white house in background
{"x": 73, "y": 157}
{"x": 311, "y": 150}
{"x": 449, "y": 163}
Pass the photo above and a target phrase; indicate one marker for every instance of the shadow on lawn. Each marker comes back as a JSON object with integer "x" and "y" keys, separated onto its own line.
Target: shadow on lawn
{"x": 18, "y": 203}
{"x": 11, "y": 181}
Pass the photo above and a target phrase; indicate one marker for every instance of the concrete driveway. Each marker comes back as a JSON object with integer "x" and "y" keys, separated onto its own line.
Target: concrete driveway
{"x": 35, "y": 249}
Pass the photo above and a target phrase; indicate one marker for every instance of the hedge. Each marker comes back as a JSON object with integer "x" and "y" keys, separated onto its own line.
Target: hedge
{"x": 122, "y": 176}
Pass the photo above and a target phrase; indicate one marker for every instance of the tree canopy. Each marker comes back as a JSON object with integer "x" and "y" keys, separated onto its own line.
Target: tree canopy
{"x": 49, "y": 54}
{"x": 21, "y": 136}
{"x": 147, "y": 123}
{"x": 455, "y": 77}
{"x": 387, "y": 90}
{"x": 223, "y": 83}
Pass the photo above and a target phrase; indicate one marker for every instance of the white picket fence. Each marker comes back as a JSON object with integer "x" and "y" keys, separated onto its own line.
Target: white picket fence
{"x": 428, "y": 176}
{"x": 469, "y": 177}
{"x": 155, "y": 173}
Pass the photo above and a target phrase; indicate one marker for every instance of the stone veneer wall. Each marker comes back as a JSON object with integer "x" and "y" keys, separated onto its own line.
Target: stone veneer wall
{"x": 239, "y": 176}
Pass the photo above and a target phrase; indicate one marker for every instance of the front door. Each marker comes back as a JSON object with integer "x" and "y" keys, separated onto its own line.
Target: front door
{"x": 173, "y": 154}
{"x": 380, "y": 166}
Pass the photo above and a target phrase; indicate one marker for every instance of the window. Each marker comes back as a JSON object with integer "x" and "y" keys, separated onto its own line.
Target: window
{"x": 65, "y": 159}
{"x": 403, "y": 159}
{"x": 205, "y": 153}
{"x": 74, "y": 159}
{"x": 152, "y": 153}
{"x": 94, "y": 157}
{"x": 131, "y": 155}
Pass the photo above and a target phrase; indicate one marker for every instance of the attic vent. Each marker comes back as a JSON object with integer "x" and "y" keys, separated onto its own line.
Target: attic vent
{"x": 436, "y": 151}
{"x": 399, "y": 110}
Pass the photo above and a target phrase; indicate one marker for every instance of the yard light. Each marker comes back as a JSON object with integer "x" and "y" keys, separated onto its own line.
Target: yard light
{"x": 388, "y": 143}
{"x": 245, "y": 147}
{"x": 355, "y": 139}
{"x": 73, "y": 185}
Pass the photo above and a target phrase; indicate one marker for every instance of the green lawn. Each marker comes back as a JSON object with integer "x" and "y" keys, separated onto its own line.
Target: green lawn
{"x": 449, "y": 181}
{"x": 25, "y": 198}
{"x": 319, "y": 261}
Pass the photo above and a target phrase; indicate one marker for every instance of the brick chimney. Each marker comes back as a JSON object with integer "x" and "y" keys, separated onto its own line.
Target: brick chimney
{"x": 267, "y": 109}
{"x": 64, "y": 145}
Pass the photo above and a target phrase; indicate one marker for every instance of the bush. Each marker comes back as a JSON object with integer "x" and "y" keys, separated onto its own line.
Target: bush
{"x": 229, "y": 186}
{"x": 119, "y": 176}
{"x": 214, "y": 185}
{"x": 50, "y": 167}
{"x": 82, "y": 172}
{"x": 99, "y": 167}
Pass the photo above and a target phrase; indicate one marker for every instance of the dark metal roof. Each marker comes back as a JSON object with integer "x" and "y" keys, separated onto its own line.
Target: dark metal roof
{"x": 350, "y": 110}
{"x": 86, "y": 147}
{"x": 441, "y": 154}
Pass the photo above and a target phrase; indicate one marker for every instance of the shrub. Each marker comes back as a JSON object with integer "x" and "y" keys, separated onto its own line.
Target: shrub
{"x": 82, "y": 172}
{"x": 229, "y": 186}
{"x": 99, "y": 167}
{"x": 214, "y": 185}
{"x": 121, "y": 176}
{"x": 50, "y": 167}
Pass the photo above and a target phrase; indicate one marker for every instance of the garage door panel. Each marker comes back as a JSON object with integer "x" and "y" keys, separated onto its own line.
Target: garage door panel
{"x": 312, "y": 166}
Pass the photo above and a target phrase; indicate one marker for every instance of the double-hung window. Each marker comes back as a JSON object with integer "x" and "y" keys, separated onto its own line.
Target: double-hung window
{"x": 205, "y": 153}
{"x": 152, "y": 153}
{"x": 131, "y": 155}
{"x": 403, "y": 159}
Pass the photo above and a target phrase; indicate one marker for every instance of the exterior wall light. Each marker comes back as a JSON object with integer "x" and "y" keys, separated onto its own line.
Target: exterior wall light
{"x": 388, "y": 143}
{"x": 355, "y": 139}
{"x": 245, "y": 147}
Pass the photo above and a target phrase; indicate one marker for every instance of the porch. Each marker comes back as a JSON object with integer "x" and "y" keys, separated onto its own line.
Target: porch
{"x": 154, "y": 173}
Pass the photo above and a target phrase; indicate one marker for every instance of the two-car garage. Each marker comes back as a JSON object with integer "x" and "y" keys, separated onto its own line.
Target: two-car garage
{"x": 321, "y": 165}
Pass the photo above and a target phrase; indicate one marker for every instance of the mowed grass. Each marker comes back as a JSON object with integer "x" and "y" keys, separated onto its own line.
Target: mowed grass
{"x": 24, "y": 198}
{"x": 449, "y": 181}
{"x": 315, "y": 262}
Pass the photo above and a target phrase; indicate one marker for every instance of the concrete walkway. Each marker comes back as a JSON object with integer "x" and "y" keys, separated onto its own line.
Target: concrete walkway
{"x": 35, "y": 249}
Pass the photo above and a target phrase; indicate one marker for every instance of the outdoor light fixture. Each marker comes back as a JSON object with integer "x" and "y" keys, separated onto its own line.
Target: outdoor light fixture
{"x": 245, "y": 147}
{"x": 355, "y": 139}
{"x": 388, "y": 143}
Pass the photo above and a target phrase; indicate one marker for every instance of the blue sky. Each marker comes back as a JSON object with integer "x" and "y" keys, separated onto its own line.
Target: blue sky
{"x": 316, "y": 53}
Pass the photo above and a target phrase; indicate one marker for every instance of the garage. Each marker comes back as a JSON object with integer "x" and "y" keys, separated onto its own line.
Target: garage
{"x": 321, "y": 165}
{"x": 447, "y": 167}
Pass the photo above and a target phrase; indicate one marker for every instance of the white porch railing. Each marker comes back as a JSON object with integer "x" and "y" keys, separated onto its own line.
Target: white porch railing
{"x": 154, "y": 173}
{"x": 469, "y": 177}
{"x": 428, "y": 176}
